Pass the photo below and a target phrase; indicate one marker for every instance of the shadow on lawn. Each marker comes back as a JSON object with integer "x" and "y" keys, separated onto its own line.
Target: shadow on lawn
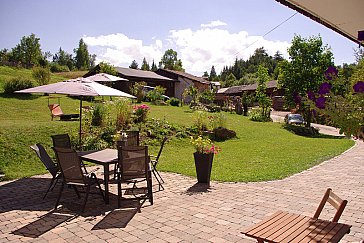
{"x": 20, "y": 96}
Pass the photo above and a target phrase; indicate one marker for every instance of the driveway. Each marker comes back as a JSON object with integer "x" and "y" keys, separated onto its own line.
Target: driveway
{"x": 184, "y": 211}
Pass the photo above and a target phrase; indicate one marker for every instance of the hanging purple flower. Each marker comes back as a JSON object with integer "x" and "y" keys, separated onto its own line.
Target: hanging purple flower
{"x": 359, "y": 87}
{"x": 311, "y": 95}
{"x": 331, "y": 73}
{"x": 324, "y": 88}
{"x": 320, "y": 102}
{"x": 297, "y": 98}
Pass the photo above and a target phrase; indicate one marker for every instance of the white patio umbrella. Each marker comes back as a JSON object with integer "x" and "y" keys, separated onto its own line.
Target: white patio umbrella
{"x": 104, "y": 77}
{"x": 77, "y": 87}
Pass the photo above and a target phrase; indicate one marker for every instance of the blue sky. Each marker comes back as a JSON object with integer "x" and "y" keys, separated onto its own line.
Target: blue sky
{"x": 204, "y": 33}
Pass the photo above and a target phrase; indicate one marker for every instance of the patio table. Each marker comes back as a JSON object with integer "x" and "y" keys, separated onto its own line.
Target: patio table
{"x": 103, "y": 157}
{"x": 289, "y": 227}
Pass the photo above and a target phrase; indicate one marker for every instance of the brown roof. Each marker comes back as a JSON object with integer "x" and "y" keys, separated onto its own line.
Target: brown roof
{"x": 129, "y": 72}
{"x": 187, "y": 75}
{"x": 250, "y": 87}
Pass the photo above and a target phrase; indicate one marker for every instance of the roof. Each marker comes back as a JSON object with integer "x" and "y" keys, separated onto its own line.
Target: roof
{"x": 129, "y": 72}
{"x": 250, "y": 87}
{"x": 343, "y": 16}
{"x": 104, "y": 77}
{"x": 187, "y": 75}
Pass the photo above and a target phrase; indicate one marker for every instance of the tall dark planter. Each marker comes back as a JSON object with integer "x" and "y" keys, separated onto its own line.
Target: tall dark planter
{"x": 203, "y": 164}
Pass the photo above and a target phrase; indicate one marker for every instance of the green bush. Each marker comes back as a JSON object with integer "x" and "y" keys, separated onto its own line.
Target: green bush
{"x": 213, "y": 108}
{"x": 302, "y": 130}
{"x": 98, "y": 115}
{"x": 16, "y": 84}
{"x": 258, "y": 116}
{"x": 41, "y": 75}
{"x": 56, "y": 68}
{"x": 174, "y": 101}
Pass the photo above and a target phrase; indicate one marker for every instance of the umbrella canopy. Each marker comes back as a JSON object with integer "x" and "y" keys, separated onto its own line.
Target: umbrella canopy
{"x": 77, "y": 87}
{"x": 104, "y": 77}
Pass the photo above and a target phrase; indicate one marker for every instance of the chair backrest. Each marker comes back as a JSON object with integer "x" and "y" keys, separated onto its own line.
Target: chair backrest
{"x": 70, "y": 165}
{"x": 133, "y": 138}
{"x": 61, "y": 141}
{"x": 55, "y": 110}
{"x": 161, "y": 149}
{"x": 335, "y": 201}
{"x": 133, "y": 162}
{"x": 44, "y": 157}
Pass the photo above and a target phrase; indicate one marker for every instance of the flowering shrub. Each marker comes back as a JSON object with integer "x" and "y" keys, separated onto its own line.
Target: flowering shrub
{"x": 345, "y": 111}
{"x": 204, "y": 145}
{"x": 141, "y": 112}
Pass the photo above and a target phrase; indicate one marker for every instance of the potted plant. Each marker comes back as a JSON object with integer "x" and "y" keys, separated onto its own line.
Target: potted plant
{"x": 203, "y": 156}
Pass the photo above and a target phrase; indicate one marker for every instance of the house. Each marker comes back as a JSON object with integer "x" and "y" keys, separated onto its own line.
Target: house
{"x": 134, "y": 76}
{"x": 272, "y": 91}
{"x": 184, "y": 80}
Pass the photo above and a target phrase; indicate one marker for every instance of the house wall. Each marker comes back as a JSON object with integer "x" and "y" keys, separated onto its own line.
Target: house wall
{"x": 181, "y": 86}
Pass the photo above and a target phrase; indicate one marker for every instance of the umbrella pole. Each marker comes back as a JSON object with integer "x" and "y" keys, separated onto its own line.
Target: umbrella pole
{"x": 80, "y": 131}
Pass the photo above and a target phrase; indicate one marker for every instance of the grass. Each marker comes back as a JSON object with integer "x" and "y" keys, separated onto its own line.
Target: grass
{"x": 261, "y": 151}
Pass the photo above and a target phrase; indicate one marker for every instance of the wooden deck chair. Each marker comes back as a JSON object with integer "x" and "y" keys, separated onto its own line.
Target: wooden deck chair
{"x": 335, "y": 201}
{"x": 56, "y": 111}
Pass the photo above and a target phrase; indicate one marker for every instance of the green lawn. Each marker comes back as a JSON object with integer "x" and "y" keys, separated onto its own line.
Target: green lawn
{"x": 261, "y": 151}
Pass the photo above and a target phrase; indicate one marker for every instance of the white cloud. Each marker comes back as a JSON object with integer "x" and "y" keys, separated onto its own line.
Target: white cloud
{"x": 201, "y": 49}
{"x": 198, "y": 49}
{"x": 120, "y": 50}
{"x": 215, "y": 23}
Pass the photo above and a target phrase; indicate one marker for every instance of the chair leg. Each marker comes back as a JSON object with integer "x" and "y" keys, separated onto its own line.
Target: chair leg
{"x": 55, "y": 183}
{"x": 75, "y": 188}
{"x": 156, "y": 171}
{"x": 98, "y": 184}
{"x": 150, "y": 188}
{"x": 159, "y": 182}
{"x": 86, "y": 196}
{"x": 119, "y": 189}
{"x": 59, "y": 196}
{"x": 49, "y": 188}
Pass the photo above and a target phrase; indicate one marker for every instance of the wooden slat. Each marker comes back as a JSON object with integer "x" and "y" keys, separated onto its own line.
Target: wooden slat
{"x": 271, "y": 228}
{"x": 277, "y": 227}
{"x": 296, "y": 231}
{"x": 345, "y": 229}
{"x": 325, "y": 232}
{"x": 334, "y": 203}
{"x": 289, "y": 228}
{"x": 307, "y": 231}
{"x": 255, "y": 228}
{"x": 336, "y": 198}
{"x": 316, "y": 231}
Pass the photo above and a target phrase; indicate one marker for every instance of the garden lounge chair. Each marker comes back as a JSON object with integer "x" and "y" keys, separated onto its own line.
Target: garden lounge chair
{"x": 133, "y": 168}
{"x": 70, "y": 165}
{"x": 61, "y": 141}
{"x": 49, "y": 164}
{"x": 56, "y": 111}
{"x": 154, "y": 163}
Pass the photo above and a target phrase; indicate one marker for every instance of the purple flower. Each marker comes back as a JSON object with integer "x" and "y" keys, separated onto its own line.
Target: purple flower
{"x": 311, "y": 95}
{"x": 320, "y": 102}
{"x": 331, "y": 73}
{"x": 324, "y": 88}
{"x": 359, "y": 87}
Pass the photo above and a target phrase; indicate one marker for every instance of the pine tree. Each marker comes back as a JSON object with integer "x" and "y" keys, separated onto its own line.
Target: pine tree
{"x": 82, "y": 58}
{"x": 134, "y": 65}
{"x": 145, "y": 65}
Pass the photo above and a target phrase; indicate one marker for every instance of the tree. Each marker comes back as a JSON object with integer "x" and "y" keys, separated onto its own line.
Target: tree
{"x": 154, "y": 67}
{"x": 213, "y": 75}
{"x": 134, "y": 65}
{"x": 107, "y": 68}
{"x": 64, "y": 59}
{"x": 170, "y": 61}
{"x": 145, "y": 65}
{"x": 41, "y": 75}
{"x": 230, "y": 81}
{"x": 205, "y": 75}
{"x": 309, "y": 59}
{"x": 27, "y": 53}
{"x": 82, "y": 58}
{"x": 260, "y": 93}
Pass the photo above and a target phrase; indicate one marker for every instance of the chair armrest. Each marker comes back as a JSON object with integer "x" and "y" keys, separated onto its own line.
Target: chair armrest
{"x": 153, "y": 156}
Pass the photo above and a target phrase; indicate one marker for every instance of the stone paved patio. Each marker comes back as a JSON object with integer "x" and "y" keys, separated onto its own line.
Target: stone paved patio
{"x": 183, "y": 212}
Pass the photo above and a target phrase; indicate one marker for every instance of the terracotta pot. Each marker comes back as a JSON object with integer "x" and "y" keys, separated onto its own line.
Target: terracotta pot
{"x": 203, "y": 164}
